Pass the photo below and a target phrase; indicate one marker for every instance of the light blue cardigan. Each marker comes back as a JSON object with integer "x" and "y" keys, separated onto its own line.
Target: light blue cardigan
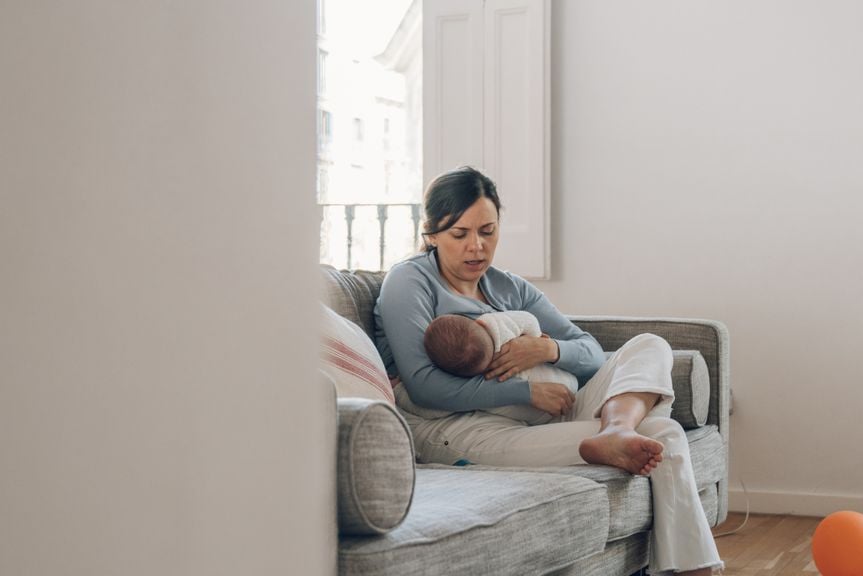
{"x": 413, "y": 293}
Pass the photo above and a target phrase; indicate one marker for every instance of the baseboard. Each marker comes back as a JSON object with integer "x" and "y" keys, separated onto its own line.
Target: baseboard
{"x": 794, "y": 503}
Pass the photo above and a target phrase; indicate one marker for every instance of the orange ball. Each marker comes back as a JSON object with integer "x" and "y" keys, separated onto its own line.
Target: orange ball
{"x": 837, "y": 545}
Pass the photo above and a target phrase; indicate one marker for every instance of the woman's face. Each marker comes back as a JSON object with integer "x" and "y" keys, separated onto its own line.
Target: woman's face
{"x": 466, "y": 249}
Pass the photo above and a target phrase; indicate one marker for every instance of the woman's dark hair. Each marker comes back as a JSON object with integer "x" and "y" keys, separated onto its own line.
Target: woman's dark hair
{"x": 449, "y": 195}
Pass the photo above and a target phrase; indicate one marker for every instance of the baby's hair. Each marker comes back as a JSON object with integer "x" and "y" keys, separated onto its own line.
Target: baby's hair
{"x": 458, "y": 345}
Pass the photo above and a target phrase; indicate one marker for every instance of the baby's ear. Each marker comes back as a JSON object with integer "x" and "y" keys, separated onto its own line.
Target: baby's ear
{"x": 481, "y": 323}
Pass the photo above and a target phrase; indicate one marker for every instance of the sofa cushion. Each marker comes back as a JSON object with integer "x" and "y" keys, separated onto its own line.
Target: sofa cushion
{"x": 709, "y": 497}
{"x": 629, "y": 500}
{"x": 629, "y": 505}
{"x": 376, "y": 474}
{"x": 626, "y": 556}
{"x": 353, "y": 294}
{"x": 691, "y": 389}
{"x": 351, "y": 360}
{"x": 709, "y": 458}
{"x": 466, "y": 521}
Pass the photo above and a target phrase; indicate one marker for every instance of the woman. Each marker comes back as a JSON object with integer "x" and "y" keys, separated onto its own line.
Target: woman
{"x": 619, "y": 417}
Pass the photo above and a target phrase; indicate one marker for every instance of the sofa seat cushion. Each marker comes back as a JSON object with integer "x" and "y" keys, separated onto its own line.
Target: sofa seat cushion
{"x": 467, "y": 521}
{"x": 709, "y": 496}
{"x": 630, "y": 507}
{"x": 709, "y": 457}
{"x": 630, "y": 504}
{"x": 626, "y": 556}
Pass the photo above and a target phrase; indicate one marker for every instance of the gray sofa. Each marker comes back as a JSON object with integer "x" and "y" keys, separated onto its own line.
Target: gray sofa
{"x": 578, "y": 520}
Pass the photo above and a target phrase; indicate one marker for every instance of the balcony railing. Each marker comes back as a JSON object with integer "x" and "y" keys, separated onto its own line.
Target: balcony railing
{"x": 330, "y": 213}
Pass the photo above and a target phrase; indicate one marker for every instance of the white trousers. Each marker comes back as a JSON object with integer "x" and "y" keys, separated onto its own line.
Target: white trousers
{"x": 681, "y": 538}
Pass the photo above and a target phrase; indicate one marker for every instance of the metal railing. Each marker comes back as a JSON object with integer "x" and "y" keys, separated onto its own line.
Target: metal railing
{"x": 382, "y": 216}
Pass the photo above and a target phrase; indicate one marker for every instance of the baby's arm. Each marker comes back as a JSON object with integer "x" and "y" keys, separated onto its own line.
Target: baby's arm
{"x": 504, "y": 326}
{"x": 527, "y": 323}
{"x": 550, "y": 373}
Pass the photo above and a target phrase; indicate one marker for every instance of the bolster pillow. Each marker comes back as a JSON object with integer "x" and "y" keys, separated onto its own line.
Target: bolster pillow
{"x": 376, "y": 471}
{"x": 691, "y": 389}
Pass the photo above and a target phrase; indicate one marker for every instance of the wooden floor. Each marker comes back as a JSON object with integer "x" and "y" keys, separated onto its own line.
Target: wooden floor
{"x": 768, "y": 545}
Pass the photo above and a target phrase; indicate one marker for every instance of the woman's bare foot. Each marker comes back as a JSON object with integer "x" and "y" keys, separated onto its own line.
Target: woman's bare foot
{"x": 622, "y": 448}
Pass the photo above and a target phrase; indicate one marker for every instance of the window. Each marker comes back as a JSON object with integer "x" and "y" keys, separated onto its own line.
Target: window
{"x": 385, "y": 140}
{"x": 322, "y": 17}
{"x": 322, "y": 72}
{"x": 323, "y": 180}
{"x": 325, "y": 131}
{"x": 487, "y": 71}
{"x": 369, "y": 131}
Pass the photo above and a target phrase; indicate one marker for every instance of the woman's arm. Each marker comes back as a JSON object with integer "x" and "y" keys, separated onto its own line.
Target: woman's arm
{"x": 406, "y": 306}
{"x": 580, "y": 353}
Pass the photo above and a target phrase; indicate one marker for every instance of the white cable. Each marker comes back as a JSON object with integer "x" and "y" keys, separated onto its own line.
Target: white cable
{"x": 745, "y": 519}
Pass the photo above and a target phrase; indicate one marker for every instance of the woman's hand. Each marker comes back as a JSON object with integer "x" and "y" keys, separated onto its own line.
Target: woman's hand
{"x": 551, "y": 397}
{"x": 522, "y": 353}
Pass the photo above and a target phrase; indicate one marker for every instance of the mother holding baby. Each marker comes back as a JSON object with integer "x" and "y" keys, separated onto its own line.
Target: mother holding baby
{"x": 620, "y": 415}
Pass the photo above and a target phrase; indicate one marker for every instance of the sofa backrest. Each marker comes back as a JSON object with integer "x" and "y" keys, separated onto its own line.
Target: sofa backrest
{"x": 352, "y": 294}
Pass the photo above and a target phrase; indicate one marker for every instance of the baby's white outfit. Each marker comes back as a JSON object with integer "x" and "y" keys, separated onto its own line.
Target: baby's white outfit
{"x": 503, "y": 327}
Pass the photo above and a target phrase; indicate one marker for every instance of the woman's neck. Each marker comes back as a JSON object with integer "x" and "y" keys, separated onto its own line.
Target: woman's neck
{"x": 462, "y": 287}
{"x": 469, "y": 289}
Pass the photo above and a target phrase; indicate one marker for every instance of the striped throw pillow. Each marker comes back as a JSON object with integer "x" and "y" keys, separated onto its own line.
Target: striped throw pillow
{"x": 351, "y": 360}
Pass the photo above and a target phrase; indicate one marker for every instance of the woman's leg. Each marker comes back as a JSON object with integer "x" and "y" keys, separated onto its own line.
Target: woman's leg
{"x": 634, "y": 382}
{"x": 617, "y": 443}
{"x": 493, "y": 440}
{"x": 681, "y": 540}
{"x": 632, "y": 396}
{"x": 496, "y": 440}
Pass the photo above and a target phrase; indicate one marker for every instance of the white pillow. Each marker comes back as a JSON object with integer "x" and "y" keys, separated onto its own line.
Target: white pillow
{"x": 350, "y": 358}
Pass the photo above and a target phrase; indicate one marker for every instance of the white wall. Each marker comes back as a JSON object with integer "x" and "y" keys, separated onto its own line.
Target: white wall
{"x": 157, "y": 253}
{"x": 707, "y": 163}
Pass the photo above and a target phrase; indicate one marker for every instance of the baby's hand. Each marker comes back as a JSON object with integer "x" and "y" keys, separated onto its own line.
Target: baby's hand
{"x": 519, "y": 354}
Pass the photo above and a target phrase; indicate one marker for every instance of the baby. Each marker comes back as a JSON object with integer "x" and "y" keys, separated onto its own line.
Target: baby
{"x": 465, "y": 347}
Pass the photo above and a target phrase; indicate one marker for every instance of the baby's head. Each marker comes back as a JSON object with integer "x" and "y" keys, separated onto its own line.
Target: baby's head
{"x": 458, "y": 345}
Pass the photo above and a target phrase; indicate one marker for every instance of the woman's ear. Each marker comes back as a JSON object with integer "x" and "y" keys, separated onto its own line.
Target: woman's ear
{"x": 431, "y": 240}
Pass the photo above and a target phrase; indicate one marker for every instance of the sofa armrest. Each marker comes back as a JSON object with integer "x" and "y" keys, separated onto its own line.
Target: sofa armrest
{"x": 709, "y": 337}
